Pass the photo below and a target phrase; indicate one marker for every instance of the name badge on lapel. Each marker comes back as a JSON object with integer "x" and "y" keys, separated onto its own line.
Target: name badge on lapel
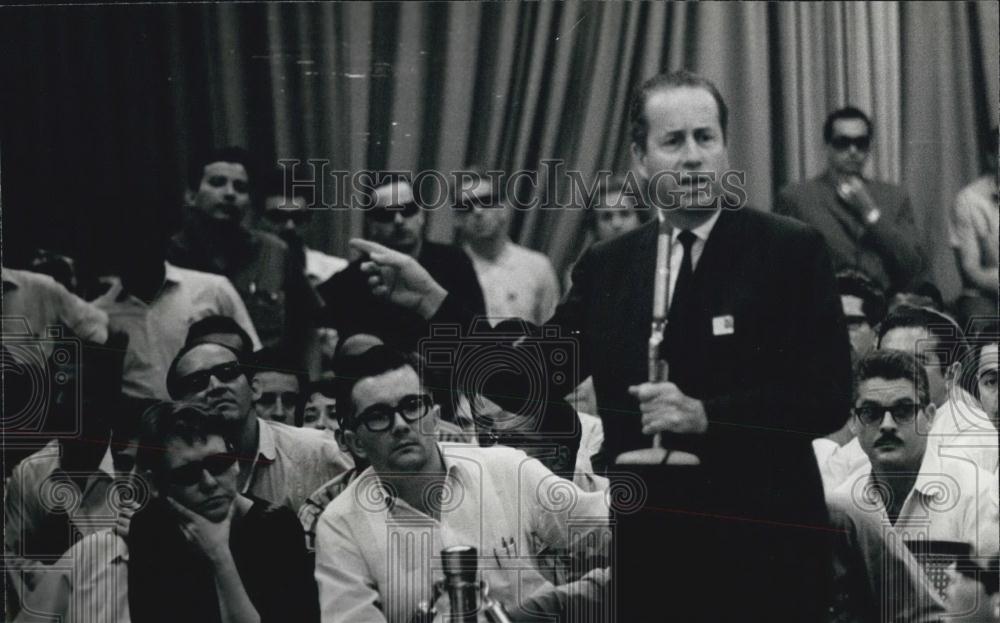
{"x": 723, "y": 325}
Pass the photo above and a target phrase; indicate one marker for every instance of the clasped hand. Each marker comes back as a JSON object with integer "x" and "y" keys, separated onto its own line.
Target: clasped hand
{"x": 665, "y": 409}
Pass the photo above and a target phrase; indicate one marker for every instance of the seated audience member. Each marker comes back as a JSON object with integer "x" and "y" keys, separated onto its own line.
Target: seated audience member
{"x": 867, "y": 224}
{"x": 201, "y": 550}
{"x": 321, "y": 406}
{"x": 90, "y": 581}
{"x": 905, "y": 485}
{"x": 396, "y": 219}
{"x": 277, "y": 387}
{"x": 839, "y": 454}
{"x": 221, "y": 330}
{"x": 372, "y": 560}
{"x": 156, "y": 303}
{"x": 55, "y": 496}
{"x": 975, "y": 237}
{"x": 33, "y": 302}
{"x": 960, "y": 425}
{"x": 288, "y": 215}
{"x": 279, "y": 463}
{"x": 875, "y": 577}
{"x": 214, "y": 239}
{"x": 517, "y": 282}
{"x": 985, "y": 364}
{"x": 613, "y": 211}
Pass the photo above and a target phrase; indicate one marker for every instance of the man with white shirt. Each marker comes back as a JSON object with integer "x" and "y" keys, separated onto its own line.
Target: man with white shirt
{"x": 378, "y": 542}
{"x": 943, "y": 351}
{"x": 924, "y": 495}
{"x": 155, "y": 303}
{"x": 517, "y": 282}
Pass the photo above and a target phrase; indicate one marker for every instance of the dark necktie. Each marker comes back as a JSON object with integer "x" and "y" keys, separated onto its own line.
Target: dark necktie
{"x": 683, "y": 284}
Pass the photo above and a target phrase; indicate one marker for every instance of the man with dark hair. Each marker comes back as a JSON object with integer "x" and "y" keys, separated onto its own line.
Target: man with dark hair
{"x": 278, "y": 387}
{"x": 215, "y": 239}
{"x": 613, "y": 210}
{"x": 974, "y": 228}
{"x": 984, "y": 366}
{"x": 221, "y": 330}
{"x": 375, "y": 542}
{"x": 864, "y": 307}
{"x": 906, "y": 480}
{"x": 281, "y": 464}
{"x": 758, "y": 358}
{"x": 867, "y": 224}
{"x": 944, "y": 353}
{"x": 201, "y": 550}
{"x": 397, "y": 219}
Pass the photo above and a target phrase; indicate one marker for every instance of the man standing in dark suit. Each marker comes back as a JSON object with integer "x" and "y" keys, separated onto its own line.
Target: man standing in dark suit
{"x": 758, "y": 361}
{"x": 867, "y": 224}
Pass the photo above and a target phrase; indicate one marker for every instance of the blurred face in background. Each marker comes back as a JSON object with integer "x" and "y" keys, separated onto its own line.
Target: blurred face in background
{"x": 849, "y": 146}
{"x": 918, "y": 342}
{"x": 320, "y": 413}
{"x": 396, "y": 220}
{"x": 614, "y": 215}
{"x": 281, "y": 215}
{"x": 275, "y": 396}
{"x": 479, "y": 214}
{"x": 223, "y": 193}
{"x": 986, "y": 380}
{"x": 859, "y": 330}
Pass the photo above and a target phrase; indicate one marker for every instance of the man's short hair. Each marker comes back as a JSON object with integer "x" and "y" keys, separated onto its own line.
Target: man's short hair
{"x": 172, "y": 420}
{"x": 950, "y": 346}
{"x": 847, "y": 112}
{"x": 473, "y": 174}
{"x": 379, "y": 179}
{"x": 619, "y": 183}
{"x": 663, "y": 82}
{"x": 201, "y": 332}
{"x": 234, "y": 154}
{"x": 352, "y": 369}
{"x": 987, "y": 333}
{"x": 892, "y": 365}
{"x": 852, "y": 282}
{"x": 173, "y": 376}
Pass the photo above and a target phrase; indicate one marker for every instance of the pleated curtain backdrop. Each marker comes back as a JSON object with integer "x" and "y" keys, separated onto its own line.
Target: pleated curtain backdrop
{"x": 422, "y": 86}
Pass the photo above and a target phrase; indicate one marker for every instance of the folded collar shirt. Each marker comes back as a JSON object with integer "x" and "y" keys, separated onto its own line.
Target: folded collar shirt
{"x": 952, "y": 499}
{"x": 701, "y": 233}
{"x": 377, "y": 557}
{"x": 157, "y": 330}
{"x": 962, "y": 427}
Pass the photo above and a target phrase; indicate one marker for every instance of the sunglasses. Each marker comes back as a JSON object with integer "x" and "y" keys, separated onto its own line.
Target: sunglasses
{"x": 197, "y": 382}
{"x": 379, "y": 418}
{"x": 902, "y": 413}
{"x": 288, "y": 399}
{"x": 278, "y": 216}
{"x": 187, "y": 475}
{"x": 387, "y": 214}
{"x": 842, "y": 143}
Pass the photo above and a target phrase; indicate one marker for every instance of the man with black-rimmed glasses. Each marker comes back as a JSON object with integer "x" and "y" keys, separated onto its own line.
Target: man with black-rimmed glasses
{"x": 279, "y": 463}
{"x": 924, "y": 495}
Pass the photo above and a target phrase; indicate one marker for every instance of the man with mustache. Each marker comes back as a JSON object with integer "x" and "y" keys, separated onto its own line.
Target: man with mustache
{"x": 279, "y": 463}
{"x": 867, "y": 224}
{"x": 924, "y": 495}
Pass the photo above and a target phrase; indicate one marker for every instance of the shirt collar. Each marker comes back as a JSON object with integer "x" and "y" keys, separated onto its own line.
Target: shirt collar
{"x": 171, "y": 273}
{"x": 11, "y": 281}
{"x": 266, "y": 448}
{"x": 701, "y": 231}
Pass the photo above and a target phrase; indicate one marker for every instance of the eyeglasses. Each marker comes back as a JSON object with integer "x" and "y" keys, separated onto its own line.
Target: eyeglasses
{"x": 386, "y": 214}
{"x": 269, "y": 398}
{"x": 841, "y": 143}
{"x": 197, "y": 381}
{"x": 901, "y": 412}
{"x": 278, "y": 216}
{"x": 215, "y": 464}
{"x": 379, "y": 418}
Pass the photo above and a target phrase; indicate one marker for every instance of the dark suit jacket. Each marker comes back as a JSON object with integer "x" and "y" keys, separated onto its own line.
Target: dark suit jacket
{"x": 888, "y": 251}
{"x": 351, "y": 307}
{"x": 776, "y": 380}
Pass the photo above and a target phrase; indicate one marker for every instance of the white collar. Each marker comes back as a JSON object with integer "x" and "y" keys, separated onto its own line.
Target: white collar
{"x": 701, "y": 231}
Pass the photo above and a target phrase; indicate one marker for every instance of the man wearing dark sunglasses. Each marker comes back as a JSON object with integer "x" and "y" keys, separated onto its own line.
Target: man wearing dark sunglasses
{"x": 279, "y": 463}
{"x": 919, "y": 489}
{"x": 395, "y": 218}
{"x": 201, "y": 550}
{"x": 867, "y": 224}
